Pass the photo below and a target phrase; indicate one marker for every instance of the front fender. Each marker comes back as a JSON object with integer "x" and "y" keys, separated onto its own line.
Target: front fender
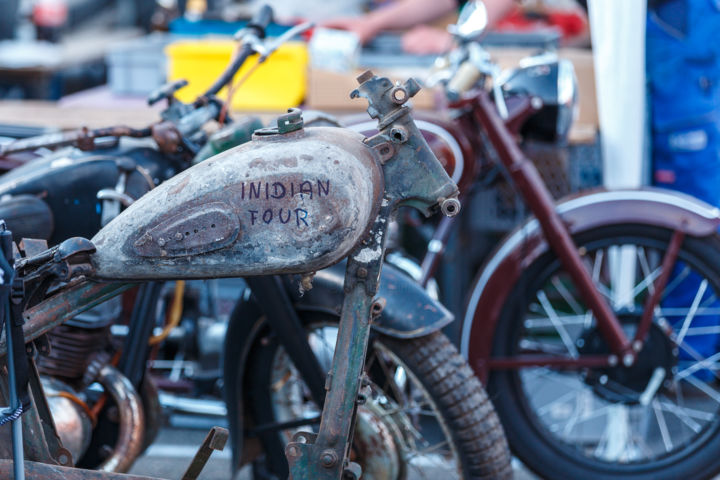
{"x": 408, "y": 313}
{"x": 649, "y": 206}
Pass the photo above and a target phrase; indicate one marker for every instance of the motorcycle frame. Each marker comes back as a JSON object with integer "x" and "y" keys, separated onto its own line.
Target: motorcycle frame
{"x": 479, "y": 113}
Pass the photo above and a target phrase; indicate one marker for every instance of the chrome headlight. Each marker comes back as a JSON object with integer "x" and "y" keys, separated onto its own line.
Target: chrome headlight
{"x": 553, "y": 81}
{"x": 567, "y": 97}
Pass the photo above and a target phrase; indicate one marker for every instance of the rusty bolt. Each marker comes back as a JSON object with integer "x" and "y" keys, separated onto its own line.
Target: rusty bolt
{"x": 328, "y": 458}
{"x": 293, "y": 451}
{"x": 362, "y": 272}
{"x": 365, "y": 76}
{"x": 63, "y": 459}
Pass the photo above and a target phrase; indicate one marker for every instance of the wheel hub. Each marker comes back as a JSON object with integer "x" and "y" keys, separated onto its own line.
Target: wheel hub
{"x": 621, "y": 384}
{"x": 376, "y": 443}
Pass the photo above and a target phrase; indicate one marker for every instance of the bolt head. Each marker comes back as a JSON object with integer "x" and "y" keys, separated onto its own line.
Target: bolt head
{"x": 628, "y": 359}
{"x": 612, "y": 360}
{"x": 293, "y": 451}
{"x": 328, "y": 458}
{"x": 637, "y": 345}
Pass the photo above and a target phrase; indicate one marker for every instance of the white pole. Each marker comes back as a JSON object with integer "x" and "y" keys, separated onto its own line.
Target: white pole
{"x": 618, "y": 37}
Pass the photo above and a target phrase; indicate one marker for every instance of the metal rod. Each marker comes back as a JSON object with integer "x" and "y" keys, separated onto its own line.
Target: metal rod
{"x": 325, "y": 457}
{"x": 283, "y": 319}
{"x": 16, "y": 425}
{"x": 658, "y": 287}
{"x": 64, "y": 305}
{"x": 528, "y": 181}
{"x": 436, "y": 249}
{"x": 521, "y": 361}
{"x": 135, "y": 349}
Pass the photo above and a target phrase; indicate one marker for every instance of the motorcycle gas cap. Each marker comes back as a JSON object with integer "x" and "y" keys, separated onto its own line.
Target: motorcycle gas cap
{"x": 288, "y": 123}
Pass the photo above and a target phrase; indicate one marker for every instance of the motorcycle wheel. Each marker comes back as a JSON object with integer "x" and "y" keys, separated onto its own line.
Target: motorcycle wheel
{"x": 427, "y": 416}
{"x": 658, "y": 419}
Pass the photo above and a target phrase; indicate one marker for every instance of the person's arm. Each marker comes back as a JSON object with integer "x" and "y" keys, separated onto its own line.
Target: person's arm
{"x": 398, "y": 15}
{"x": 404, "y": 14}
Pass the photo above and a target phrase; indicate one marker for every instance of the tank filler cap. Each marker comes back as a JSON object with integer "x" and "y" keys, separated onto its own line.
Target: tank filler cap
{"x": 290, "y": 122}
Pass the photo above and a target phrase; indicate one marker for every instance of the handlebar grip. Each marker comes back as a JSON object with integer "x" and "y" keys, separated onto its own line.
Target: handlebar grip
{"x": 260, "y": 21}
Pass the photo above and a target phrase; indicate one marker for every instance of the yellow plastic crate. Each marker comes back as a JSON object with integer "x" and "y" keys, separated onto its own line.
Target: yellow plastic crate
{"x": 277, "y": 84}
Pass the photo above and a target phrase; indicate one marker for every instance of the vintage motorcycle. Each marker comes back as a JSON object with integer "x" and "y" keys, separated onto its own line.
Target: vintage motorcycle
{"x": 77, "y": 191}
{"x": 201, "y": 224}
{"x": 586, "y": 319}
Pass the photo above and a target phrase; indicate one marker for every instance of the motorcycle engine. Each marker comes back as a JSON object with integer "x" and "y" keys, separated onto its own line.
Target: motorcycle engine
{"x": 79, "y": 358}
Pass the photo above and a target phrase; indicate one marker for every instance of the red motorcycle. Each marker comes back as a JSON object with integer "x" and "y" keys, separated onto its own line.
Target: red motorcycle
{"x": 590, "y": 322}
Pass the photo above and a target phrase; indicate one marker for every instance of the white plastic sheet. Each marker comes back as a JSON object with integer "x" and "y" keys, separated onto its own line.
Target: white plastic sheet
{"x": 618, "y": 38}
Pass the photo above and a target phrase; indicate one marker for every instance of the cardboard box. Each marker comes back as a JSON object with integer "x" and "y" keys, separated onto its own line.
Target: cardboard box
{"x": 331, "y": 90}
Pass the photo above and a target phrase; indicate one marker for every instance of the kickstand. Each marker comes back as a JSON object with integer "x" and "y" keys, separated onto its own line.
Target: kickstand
{"x": 215, "y": 440}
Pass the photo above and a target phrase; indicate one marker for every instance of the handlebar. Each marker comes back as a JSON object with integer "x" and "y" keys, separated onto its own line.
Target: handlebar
{"x": 250, "y": 36}
{"x": 190, "y": 119}
{"x": 230, "y": 71}
{"x": 260, "y": 21}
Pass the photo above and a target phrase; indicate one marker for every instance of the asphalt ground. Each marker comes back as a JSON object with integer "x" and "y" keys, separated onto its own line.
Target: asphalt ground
{"x": 176, "y": 444}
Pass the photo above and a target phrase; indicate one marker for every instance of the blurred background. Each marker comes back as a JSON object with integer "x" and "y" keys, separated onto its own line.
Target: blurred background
{"x": 67, "y": 64}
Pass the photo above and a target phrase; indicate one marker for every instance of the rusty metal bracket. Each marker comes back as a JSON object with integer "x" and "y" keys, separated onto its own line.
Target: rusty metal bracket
{"x": 325, "y": 456}
{"x": 215, "y": 440}
{"x": 413, "y": 175}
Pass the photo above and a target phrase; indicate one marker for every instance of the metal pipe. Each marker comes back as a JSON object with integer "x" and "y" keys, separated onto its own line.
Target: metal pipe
{"x": 131, "y": 420}
{"x": 64, "y": 305}
{"x": 17, "y": 439}
{"x": 527, "y": 179}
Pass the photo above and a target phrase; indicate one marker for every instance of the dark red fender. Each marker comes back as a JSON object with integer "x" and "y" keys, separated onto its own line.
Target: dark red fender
{"x": 491, "y": 288}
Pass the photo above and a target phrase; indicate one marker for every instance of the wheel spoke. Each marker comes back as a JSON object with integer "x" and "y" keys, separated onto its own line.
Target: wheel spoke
{"x": 616, "y": 437}
{"x": 537, "y": 346}
{"x": 559, "y": 327}
{"x": 390, "y": 380}
{"x": 545, "y": 323}
{"x": 702, "y": 364}
{"x": 664, "y": 434}
{"x": 561, "y": 399}
{"x": 647, "y": 282}
{"x": 645, "y": 266}
{"x": 565, "y": 294}
{"x": 606, "y": 421}
{"x": 693, "y": 309}
{"x": 684, "y": 416}
{"x": 431, "y": 449}
{"x": 704, "y": 387}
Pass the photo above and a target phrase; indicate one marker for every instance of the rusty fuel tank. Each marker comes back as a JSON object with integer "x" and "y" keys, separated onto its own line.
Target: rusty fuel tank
{"x": 292, "y": 200}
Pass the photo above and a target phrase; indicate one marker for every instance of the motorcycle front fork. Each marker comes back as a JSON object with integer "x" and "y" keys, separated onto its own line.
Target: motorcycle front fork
{"x": 323, "y": 456}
